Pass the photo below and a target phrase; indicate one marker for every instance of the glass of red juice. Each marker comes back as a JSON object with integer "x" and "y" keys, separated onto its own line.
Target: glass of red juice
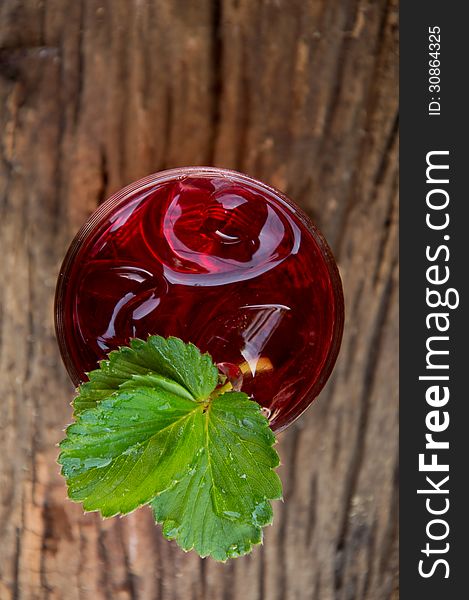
{"x": 218, "y": 259}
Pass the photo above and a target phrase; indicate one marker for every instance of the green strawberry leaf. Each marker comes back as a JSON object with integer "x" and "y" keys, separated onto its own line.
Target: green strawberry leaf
{"x": 176, "y": 363}
{"x": 151, "y": 428}
{"x": 133, "y": 445}
{"x": 187, "y": 514}
{"x": 220, "y": 506}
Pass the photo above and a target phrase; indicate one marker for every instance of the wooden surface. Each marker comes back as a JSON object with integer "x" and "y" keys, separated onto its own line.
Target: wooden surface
{"x": 300, "y": 93}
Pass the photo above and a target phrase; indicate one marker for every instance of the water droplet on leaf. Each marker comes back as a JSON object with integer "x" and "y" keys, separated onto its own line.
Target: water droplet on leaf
{"x": 231, "y": 513}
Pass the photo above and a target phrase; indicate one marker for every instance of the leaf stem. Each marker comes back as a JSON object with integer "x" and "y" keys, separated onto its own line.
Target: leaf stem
{"x": 221, "y": 390}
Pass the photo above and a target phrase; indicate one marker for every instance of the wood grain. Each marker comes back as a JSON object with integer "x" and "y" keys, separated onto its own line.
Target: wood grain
{"x": 299, "y": 93}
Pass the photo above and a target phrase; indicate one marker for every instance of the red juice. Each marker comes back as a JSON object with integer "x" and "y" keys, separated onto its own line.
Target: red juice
{"x": 218, "y": 259}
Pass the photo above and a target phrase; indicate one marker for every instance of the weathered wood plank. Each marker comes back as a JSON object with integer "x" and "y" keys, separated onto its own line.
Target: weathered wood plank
{"x": 95, "y": 94}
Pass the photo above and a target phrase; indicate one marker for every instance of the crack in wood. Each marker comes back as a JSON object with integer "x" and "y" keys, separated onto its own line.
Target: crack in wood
{"x": 353, "y": 472}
